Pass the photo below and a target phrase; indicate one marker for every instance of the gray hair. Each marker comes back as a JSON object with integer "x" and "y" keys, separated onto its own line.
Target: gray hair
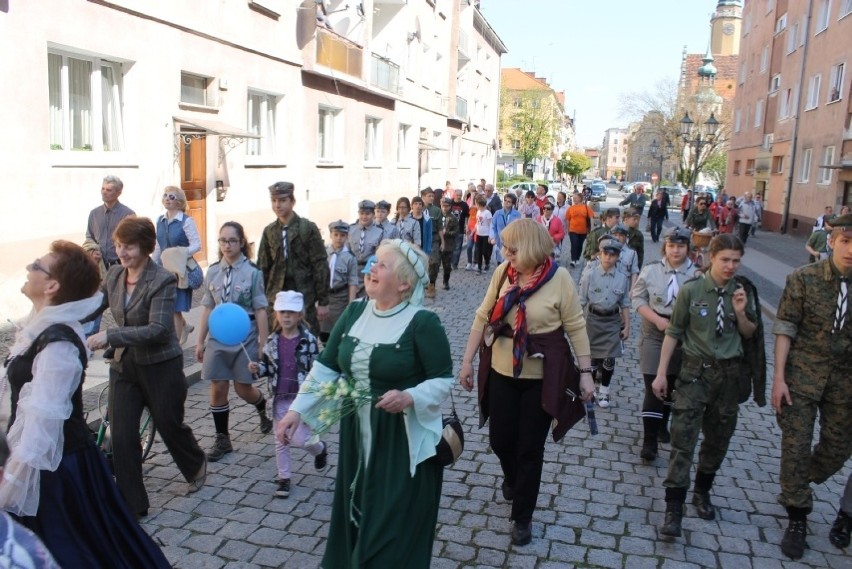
{"x": 114, "y": 181}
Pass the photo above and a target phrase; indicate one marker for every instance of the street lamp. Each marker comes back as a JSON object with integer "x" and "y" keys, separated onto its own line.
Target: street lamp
{"x": 656, "y": 153}
{"x": 699, "y": 141}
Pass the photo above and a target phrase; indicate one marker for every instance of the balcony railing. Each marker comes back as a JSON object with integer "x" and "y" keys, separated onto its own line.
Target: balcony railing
{"x": 384, "y": 74}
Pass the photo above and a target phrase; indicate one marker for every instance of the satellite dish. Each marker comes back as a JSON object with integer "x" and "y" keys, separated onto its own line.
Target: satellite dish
{"x": 306, "y": 23}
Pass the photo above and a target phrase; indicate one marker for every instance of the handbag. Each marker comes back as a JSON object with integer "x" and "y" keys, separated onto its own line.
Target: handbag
{"x": 194, "y": 274}
{"x": 451, "y": 445}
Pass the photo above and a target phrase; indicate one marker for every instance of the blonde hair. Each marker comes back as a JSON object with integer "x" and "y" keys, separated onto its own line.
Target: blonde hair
{"x": 531, "y": 239}
{"x": 181, "y": 197}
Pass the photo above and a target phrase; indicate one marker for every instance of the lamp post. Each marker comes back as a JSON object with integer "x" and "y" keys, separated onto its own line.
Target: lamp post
{"x": 699, "y": 141}
{"x": 656, "y": 152}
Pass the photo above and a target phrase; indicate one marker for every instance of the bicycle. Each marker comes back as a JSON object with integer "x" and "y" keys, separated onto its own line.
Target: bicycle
{"x": 103, "y": 439}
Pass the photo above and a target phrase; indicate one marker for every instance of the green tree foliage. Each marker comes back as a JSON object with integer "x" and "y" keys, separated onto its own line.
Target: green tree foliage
{"x": 533, "y": 121}
{"x": 573, "y": 165}
{"x": 715, "y": 166}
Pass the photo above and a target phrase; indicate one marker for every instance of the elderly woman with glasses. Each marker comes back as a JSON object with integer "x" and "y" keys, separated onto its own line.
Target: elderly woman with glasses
{"x": 176, "y": 229}
{"x": 57, "y": 481}
{"x": 526, "y": 374}
{"x": 554, "y": 227}
{"x": 388, "y": 486}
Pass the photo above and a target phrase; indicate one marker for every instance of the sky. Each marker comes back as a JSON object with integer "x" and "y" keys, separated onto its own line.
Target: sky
{"x": 597, "y": 50}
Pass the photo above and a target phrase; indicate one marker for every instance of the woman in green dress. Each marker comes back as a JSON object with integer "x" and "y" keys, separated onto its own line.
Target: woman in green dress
{"x": 388, "y": 483}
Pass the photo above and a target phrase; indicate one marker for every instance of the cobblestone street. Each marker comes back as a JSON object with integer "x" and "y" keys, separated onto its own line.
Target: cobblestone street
{"x": 599, "y": 506}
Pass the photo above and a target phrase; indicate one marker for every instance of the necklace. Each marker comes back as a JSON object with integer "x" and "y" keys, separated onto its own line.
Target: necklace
{"x": 391, "y": 312}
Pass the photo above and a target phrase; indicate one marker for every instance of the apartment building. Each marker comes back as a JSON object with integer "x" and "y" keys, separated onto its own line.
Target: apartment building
{"x": 792, "y": 138}
{"x": 613, "y": 157}
{"x": 348, "y": 100}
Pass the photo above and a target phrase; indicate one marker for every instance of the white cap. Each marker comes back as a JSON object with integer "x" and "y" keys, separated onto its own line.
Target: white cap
{"x": 289, "y": 300}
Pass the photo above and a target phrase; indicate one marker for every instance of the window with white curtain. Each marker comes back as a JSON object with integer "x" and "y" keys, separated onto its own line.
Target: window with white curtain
{"x": 845, "y": 8}
{"x": 193, "y": 89}
{"x": 835, "y": 85}
{"x": 805, "y": 168}
{"x": 792, "y": 37}
{"x": 372, "y": 140}
{"x": 758, "y": 113}
{"x": 261, "y": 119}
{"x": 329, "y": 135}
{"x": 824, "y": 176}
{"x": 402, "y": 138}
{"x": 823, "y": 10}
{"x": 85, "y": 109}
{"x": 813, "y": 91}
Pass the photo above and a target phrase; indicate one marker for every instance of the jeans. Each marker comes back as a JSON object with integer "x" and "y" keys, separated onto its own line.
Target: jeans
{"x": 656, "y": 228}
{"x": 471, "y": 241}
{"x": 577, "y": 240}
{"x": 457, "y": 249}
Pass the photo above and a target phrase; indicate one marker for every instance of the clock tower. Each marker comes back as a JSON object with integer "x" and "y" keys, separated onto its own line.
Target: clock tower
{"x": 726, "y": 26}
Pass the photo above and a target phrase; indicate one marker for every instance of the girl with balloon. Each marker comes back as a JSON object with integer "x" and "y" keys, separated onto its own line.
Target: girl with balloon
{"x": 234, "y": 312}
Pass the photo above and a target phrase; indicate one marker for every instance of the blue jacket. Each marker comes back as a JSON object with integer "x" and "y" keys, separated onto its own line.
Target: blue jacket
{"x": 499, "y": 222}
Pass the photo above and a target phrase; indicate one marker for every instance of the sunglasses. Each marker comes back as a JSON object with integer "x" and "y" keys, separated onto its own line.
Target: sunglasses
{"x": 37, "y": 266}
{"x": 548, "y": 209}
{"x": 171, "y": 197}
{"x": 223, "y": 241}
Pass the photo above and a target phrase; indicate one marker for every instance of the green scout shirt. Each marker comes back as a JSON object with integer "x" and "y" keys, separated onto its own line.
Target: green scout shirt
{"x": 306, "y": 266}
{"x": 806, "y": 314}
{"x": 590, "y": 249}
{"x": 693, "y": 320}
{"x": 636, "y": 241}
{"x": 698, "y": 221}
{"x": 450, "y": 225}
{"x": 818, "y": 241}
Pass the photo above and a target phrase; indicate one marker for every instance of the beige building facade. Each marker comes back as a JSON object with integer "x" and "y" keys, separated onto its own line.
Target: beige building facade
{"x": 347, "y": 100}
{"x": 793, "y": 110}
{"x": 613, "y": 156}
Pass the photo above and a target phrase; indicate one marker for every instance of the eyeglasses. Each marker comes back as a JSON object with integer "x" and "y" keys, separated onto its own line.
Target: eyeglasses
{"x": 512, "y": 250}
{"x": 223, "y": 241}
{"x": 171, "y": 197}
{"x": 548, "y": 209}
{"x": 37, "y": 266}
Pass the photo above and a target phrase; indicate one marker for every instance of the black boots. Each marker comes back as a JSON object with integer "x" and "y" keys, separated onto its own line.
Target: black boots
{"x": 674, "y": 518}
{"x": 839, "y": 534}
{"x": 663, "y": 433}
{"x": 701, "y": 496}
{"x": 793, "y": 543}
{"x": 649, "y": 448}
{"x": 521, "y": 533}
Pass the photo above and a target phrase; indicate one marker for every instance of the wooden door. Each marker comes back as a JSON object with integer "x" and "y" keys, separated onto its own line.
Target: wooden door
{"x": 193, "y": 182}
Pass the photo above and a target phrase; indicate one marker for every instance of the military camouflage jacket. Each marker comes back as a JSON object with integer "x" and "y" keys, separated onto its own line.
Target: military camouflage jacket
{"x": 306, "y": 267}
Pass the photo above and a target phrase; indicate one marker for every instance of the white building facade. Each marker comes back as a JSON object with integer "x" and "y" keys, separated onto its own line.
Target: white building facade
{"x": 347, "y": 100}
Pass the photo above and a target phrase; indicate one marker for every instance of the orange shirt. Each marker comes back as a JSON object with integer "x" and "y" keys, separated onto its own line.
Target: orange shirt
{"x": 578, "y": 218}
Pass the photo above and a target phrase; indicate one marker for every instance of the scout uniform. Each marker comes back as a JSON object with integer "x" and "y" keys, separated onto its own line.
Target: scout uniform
{"x": 292, "y": 257}
{"x": 442, "y": 251}
{"x": 818, "y": 241}
{"x": 343, "y": 269}
{"x": 628, "y": 261}
{"x": 814, "y": 313}
{"x": 389, "y": 230}
{"x": 604, "y": 293}
{"x": 636, "y": 240}
{"x": 707, "y": 390}
{"x": 657, "y": 287}
{"x": 590, "y": 250}
{"x": 363, "y": 241}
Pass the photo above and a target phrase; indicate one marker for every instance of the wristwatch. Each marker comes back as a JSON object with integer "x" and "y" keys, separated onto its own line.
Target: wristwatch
{"x": 587, "y": 370}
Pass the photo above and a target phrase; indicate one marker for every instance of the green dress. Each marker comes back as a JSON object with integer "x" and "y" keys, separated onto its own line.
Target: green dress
{"x": 389, "y": 519}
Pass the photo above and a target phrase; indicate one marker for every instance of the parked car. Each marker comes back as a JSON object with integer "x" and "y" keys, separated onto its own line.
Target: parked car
{"x": 599, "y": 192}
{"x": 627, "y": 188}
{"x": 524, "y": 187}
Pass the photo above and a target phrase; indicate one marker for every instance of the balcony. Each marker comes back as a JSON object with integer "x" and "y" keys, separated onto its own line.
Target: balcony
{"x": 339, "y": 54}
{"x": 461, "y": 108}
{"x": 464, "y": 51}
{"x": 384, "y": 74}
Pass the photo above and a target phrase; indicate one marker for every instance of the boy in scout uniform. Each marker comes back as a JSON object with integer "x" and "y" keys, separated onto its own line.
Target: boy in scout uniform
{"x": 605, "y": 294}
{"x": 442, "y": 252}
{"x": 292, "y": 256}
{"x": 389, "y": 230}
{"x": 628, "y": 261}
{"x": 364, "y": 238}
{"x": 610, "y": 219}
{"x": 712, "y": 316}
{"x": 813, "y": 353}
{"x": 344, "y": 280}
{"x": 635, "y": 238}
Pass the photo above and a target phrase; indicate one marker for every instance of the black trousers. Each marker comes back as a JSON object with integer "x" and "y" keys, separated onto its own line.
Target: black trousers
{"x": 656, "y": 228}
{"x": 518, "y": 428}
{"x": 482, "y": 251}
{"x": 162, "y": 388}
{"x": 577, "y": 240}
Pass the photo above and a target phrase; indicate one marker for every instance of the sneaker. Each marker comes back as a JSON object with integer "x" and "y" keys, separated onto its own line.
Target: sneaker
{"x": 196, "y": 484}
{"x": 187, "y": 330}
{"x": 265, "y": 423}
{"x": 572, "y": 264}
{"x": 446, "y": 286}
{"x": 283, "y": 489}
{"x": 793, "y": 544}
{"x": 478, "y": 271}
{"x": 840, "y": 531}
{"x": 468, "y": 267}
{"x": 603, "y": 400}
{"x": 321, "y": 459}
{"x": 221, "y": 447}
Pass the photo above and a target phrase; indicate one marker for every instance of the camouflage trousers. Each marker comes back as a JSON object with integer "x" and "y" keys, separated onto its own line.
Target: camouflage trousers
{"x": 801, "y": 464}
{"x": 705, "y": 399}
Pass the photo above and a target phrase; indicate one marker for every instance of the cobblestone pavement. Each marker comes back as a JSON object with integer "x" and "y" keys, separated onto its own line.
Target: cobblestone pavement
{"x": 599, "y": 506}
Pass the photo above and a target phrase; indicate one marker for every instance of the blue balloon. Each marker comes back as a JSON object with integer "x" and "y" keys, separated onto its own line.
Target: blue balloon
{"x": 229, "y": 324}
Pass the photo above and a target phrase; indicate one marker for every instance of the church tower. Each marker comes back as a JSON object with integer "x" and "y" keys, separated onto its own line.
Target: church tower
{"x": 726, "y": 25}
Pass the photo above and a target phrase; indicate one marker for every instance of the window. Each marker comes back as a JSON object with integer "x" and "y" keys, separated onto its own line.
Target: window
{"x": 758, "y": 113}
{"x": 193, "y": 89}
{"x": 329, "y": 140}
{"x": 835, "y": 85}
{"x": 781, "y": 23}
{"x": 823, "y": 8}
{"x": 747, "y": 24}
{"x": 535, "y": 103}
{"x": 737, "y": 119}
{"x": 824, "y": 174}
{"x": 805, "y": 167}
{"x": 402, "y": 138}
{"x": 792, "y": 36}
{"x": 750, "y": 167}
{"x": 516, "y": 102}
{"x": 372, "y": 140}
{"x": 764, "y": 59}
{"x": 736, "y": 167}
{"x": 454, "y": 151}
{"x": 516, "y": 123}
{"x": 845, "y": 8}
{"x": 775, "y": 83}
{"x": 778, "y": 164}
{"x": 261, "y": 121}
{"x": 84, "y": 96}
{"x": 813, "y": 91}
{"x": 516, "y": 145}
{"x": 742, "y": 72}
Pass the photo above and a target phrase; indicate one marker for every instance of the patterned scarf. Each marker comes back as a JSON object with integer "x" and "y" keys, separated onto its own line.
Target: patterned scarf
{"x": 516, "y": 294}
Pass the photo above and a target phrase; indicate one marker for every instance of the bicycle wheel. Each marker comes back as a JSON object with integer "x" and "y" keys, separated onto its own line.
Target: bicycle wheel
{"x": 147, "y": 432}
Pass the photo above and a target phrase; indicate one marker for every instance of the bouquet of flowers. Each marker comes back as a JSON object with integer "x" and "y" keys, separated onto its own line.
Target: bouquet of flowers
{"x": 338, "y": 399}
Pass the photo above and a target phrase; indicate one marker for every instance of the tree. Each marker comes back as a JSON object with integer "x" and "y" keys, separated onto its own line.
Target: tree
{"x": 533, "y": 119}
{"x": 715, "y": 166}
{"x": 573, "y": 164}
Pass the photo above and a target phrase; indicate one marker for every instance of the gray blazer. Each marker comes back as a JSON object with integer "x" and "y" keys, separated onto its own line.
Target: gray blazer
{"x": 145, "y": 326}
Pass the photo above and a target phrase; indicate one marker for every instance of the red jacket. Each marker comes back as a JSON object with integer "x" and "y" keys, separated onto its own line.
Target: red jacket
{"x": 555, "y": 228}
